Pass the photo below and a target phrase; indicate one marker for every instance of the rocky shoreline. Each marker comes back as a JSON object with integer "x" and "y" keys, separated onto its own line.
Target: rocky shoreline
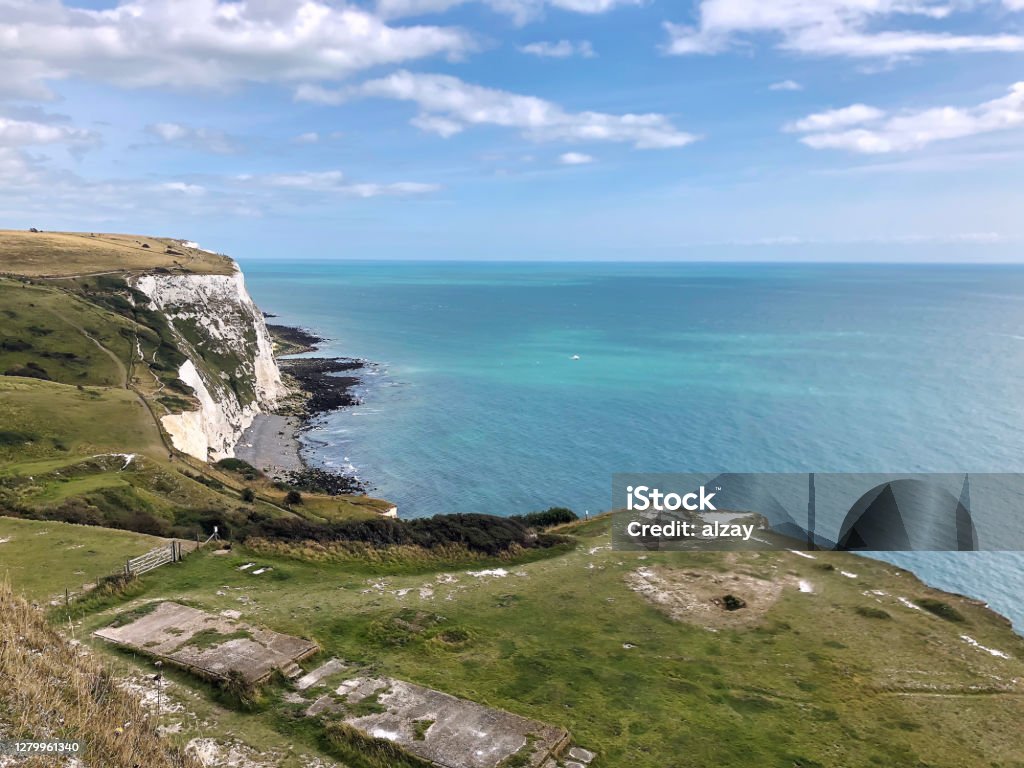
{"x": 272, "y": 442}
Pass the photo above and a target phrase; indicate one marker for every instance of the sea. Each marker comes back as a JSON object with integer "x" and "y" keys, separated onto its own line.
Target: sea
{"x": 507, "y": 388}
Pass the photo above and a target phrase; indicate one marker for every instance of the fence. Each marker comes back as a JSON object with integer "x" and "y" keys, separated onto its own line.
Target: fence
{"x": 165, "y": 553}
{"x": 171, "y": 552}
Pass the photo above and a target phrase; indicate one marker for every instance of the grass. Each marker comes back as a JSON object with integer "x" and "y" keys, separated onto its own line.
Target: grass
{"x": 59, "y": 421}
{"x": 42, "y": 559}
{"x": 51, "y": 691}
{"x": 208, "y": 638}
{"x": 43, "y": 327}
{"x": 38, "y": 254}
{"x": 816, "y": 682}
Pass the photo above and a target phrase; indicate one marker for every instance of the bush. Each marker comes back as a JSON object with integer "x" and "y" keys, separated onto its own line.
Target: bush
{"x": 941, "y": 609}
{"x": 293, "y": 497}
{"x": 870, "y": 612}
{"x": 29, "y": 370}
{"x": 236, "y": 465}
{"x": 548, "y": 518}
{"x": 248, "y": 495}
{"x": 479, "y": 533}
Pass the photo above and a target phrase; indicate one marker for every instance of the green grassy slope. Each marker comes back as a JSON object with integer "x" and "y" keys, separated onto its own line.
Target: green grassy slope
{"x": 819, "y": 681}
{"x": 42, "y": 559}
{"x": 45, "y": 334}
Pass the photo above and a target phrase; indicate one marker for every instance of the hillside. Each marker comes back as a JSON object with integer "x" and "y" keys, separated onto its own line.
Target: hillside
{"x": 50, "y": 690}
{"x": 837, "y": 660}
{"x": 126, "y": 375}
{"x": 57, "y": 254}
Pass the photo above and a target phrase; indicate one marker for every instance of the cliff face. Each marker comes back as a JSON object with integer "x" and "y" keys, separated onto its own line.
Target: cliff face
{"x": 230, "y": 364}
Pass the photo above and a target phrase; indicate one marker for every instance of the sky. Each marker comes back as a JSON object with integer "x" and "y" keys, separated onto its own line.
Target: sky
{"x": 521, "y": 129}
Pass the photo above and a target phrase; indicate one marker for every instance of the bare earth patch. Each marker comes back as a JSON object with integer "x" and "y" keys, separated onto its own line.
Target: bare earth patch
{"x": 708, "y": 598}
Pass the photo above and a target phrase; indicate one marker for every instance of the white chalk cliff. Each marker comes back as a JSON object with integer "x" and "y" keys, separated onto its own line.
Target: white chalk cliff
{"x": 230, "y": 364}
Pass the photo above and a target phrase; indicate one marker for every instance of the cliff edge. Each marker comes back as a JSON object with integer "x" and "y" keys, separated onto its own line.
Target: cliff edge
{"x": 229, "y": 362}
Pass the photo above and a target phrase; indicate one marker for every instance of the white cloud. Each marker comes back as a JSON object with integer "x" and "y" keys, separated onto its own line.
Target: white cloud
{"x": 575, "y": 158}
{"x": 317, "y": 94}
{"x": 836, "y": 118}
{"x": 182, "y": 187}
{"x": 786, "y": 85}
{"x": 203, "y": 43}
{"x": 310, "y": 137}
{"x": 834, "y": 27}
{"x": 521, "y": 11}
{"x": 880, "y": 133}
{"x": 563, "y": 49}
{"x": 449, "y": 105}
{"x": 335, "y": 182}
{"x": 442, "y": 126}
{"x": 204, "y": 139}
{"x": 22, "y": 133}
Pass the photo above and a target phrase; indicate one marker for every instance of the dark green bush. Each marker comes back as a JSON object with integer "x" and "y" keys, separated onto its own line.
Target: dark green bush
{"x": 548, "y": 518}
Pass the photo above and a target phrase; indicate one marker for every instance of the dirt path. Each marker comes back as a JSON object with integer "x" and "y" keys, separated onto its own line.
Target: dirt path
{"x": 121, "y": 368}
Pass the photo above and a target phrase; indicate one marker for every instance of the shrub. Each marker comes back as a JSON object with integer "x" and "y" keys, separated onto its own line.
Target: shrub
{"x": 870, "y": 612}
{"x": 236, "y": 465}
{"x": 293, "y": 497}
{"x": 548, "y": 518}
{"x": 941, "y": 609}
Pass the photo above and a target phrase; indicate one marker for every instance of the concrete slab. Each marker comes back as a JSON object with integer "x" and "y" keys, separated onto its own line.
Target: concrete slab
{"x": 325, "y": 670}
{"x": 188, "y": 637}
{"x": 453, "y": 732}
{"x": 581, "y": 754}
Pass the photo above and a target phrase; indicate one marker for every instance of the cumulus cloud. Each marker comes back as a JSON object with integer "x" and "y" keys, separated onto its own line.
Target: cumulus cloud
{"x": 449, "y": 104}
{"x": 563, "y": 49}
{"x": 204, "y": 43}
{"x": 786, "y": 85}
{"x": 834, "y": 28}
{"x": 575, "y": 158}
{"x": 204, "y": 139}
{"x": 836, "y": 118}
{"x": 23, "y": 133}
{"x": 521, "y": 11}
{"x": 878, "y": 132}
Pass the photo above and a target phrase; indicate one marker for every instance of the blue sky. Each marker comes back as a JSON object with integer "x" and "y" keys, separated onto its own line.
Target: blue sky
{"x": 520, "y": 129}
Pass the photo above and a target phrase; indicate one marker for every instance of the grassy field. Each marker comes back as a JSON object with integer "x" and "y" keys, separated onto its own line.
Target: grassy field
{"x": 51, "y": 254}
{"x": 838, "y": 675}
{"x": 40, "y": 559}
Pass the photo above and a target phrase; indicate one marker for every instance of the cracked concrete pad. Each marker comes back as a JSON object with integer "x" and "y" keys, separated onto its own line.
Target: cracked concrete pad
{"x": 461, "y": 733}
{"x": 168, "y": 631}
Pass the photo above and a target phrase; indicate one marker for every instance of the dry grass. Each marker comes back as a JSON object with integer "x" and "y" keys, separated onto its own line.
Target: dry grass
{"x": 54, "y": 254}
{"x": 50, "y": 689}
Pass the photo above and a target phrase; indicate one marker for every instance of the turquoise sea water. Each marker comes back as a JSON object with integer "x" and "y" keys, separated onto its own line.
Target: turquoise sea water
{"x": 477, "y": 404}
